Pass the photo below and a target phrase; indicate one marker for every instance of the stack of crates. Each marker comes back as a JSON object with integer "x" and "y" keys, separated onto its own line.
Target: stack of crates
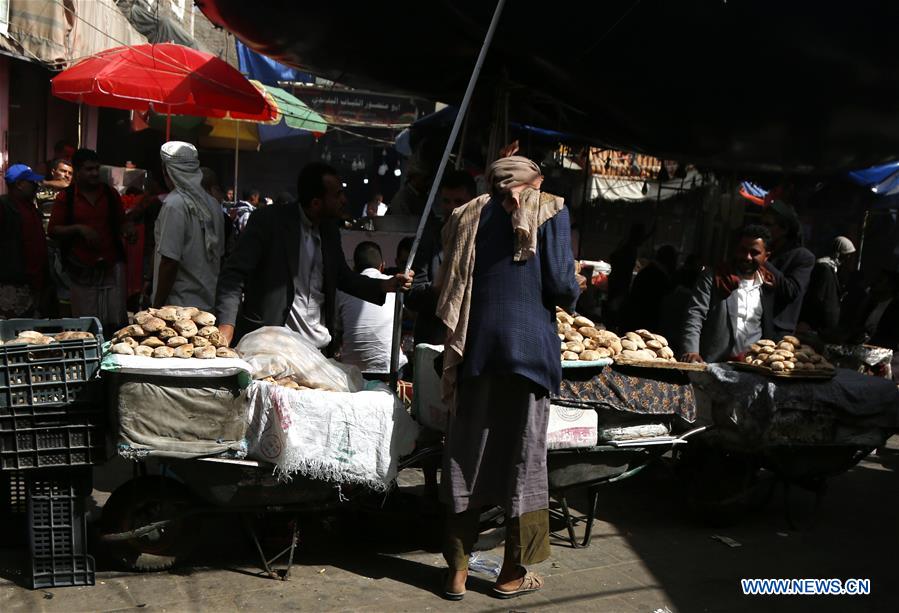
{"x": 52, "y": 430}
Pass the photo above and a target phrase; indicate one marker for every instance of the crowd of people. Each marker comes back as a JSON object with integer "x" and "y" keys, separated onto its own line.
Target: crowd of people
{"x": 770, "y": 286}
{"x": 485, "y": 281}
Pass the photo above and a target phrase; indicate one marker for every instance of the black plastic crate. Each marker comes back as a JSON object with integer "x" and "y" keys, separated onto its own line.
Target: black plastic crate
{"x": 57, "y": 523}
{"x": 13, "y": 507}
{"x": 49, "y": 376}
{"x": 77, "y": 439}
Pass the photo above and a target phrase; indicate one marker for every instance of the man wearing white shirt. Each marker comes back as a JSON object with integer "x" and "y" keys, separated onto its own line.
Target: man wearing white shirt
{"x": 734, "y": 305}
{"x": 376, "y": 207}
{"x": 367, "y": 328}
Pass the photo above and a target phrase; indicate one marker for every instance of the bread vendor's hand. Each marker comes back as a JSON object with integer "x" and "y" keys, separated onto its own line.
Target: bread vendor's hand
{"x": 401, "y": 282}
{"x": 692, "y": 358}
{"x": 227, "y": 332}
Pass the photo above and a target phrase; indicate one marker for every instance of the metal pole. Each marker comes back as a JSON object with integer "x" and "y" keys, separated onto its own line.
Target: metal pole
{"x": 588, "y": 191}
{"x": 861, "y": 240}
{"x": 454, "y": 133}
{"x": 80, "y": 125}
{"x": 168, "y": 123}
{"x": 236, "y": 157}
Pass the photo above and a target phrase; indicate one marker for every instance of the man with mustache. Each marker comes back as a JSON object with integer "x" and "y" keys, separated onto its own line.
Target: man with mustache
{"x": 733, "y": 306}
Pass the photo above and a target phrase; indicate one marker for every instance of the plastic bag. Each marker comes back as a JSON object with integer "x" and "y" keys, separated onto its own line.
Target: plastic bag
{"x": 275, "y": 351}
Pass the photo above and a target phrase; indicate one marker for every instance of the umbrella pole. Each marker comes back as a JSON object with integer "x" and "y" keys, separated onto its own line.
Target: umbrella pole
{"x": 435, "y": 184}
{"x": 168, "y": 123}
{"x": 236, "y": 157}
{"x": 80, "y": 124}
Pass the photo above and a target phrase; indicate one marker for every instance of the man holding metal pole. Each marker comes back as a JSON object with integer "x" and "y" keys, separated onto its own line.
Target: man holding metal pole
{"x": 507, "y": 264}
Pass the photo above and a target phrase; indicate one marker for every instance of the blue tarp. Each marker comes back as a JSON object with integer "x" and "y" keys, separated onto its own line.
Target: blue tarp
{"x": 882, "y": 180}
{"x": 266, "y": 70}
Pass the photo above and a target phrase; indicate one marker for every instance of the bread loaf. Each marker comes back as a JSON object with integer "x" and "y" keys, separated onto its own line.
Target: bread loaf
{"x": 204, "y": 353}
{"x": 574, "y": 347}
{"x": 202, "y": 319}
{"x": 582, "y": 322}
{"x": 167, "y": 313}
{"x": 176, "y": 341}
{"x": 186, "y": 313}
{"x": 569, "y": 356}
{"x": 571, "y": 335}
{"x": 185, "y": 327}
{"x": 133, "y": 330}
{"x": 143, "y": 350}
{"x": 226, "y": 352}
{"x": 152, "y": 342}
{"x": 123, "y": 349}
{"x": 153, "y": 325}
{"x": 163, "y": 352}
{"x": 184, "y": 351}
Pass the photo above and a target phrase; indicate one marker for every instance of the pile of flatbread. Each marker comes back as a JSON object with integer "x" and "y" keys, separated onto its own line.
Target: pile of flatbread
{"x": 287, "y": 382}
{"x": 644, "y": 345}
{"x": 172, "y": 332}
{"x": 789, "y": 355}
{"x": 31, "y": 337}
{"x": 584, "y": 341}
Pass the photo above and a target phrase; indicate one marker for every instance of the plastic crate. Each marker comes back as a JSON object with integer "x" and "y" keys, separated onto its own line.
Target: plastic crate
{"x": 13, "y": 507}
{"x": 57, "y": 523}
{"x": 46, "y": 376}
{"x": 77, "y": 439}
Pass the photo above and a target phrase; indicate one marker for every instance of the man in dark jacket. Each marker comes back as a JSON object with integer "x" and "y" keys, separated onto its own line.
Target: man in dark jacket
{"x": 793, "y": 260}
{"x": 288, "y": 266}
{"x": 457, "y": 188}
{"x": 508, "y": 264}
{"x": 821, "y": 309}
{"x": 733, "y": 305}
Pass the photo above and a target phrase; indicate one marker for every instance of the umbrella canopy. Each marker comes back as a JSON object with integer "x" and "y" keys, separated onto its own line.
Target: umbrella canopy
{"x": 230, "y": 135}
{"x": 166, "y": 78}
{"x": 296, "y": 113}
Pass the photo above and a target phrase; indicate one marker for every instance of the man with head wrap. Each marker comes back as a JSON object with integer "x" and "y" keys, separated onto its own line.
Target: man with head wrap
{"x": 507, "y": 265}
{"x": 189, "y": 233}
{"x": 822, "y": 305}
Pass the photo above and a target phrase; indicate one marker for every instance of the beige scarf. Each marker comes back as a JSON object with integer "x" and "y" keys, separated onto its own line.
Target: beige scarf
{"x": 515, "y": 177}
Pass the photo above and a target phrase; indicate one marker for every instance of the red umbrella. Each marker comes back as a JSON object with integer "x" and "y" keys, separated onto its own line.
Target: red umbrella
{"x": 166, "y": 78}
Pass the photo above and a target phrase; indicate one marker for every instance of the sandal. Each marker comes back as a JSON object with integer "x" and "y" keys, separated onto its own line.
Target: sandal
{"x": 445, "y": 593}
{"x": 529, "y": 583}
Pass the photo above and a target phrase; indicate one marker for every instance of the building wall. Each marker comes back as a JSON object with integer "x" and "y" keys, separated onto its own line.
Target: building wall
{"x": 214, "y": 40}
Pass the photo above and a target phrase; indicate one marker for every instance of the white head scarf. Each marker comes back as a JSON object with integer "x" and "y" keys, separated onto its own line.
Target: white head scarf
{"x": 182, "y": 164}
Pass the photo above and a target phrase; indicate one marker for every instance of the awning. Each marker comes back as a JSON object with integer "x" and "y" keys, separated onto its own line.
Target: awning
{"x": 881, "y": 180}
{"x": 46, "y": 32}
{"x": 757, "y": 86}
{"x": 266, "y": 70}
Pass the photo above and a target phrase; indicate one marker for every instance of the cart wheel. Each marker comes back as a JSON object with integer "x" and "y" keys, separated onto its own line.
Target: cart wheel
{"x": 143, "y": 501}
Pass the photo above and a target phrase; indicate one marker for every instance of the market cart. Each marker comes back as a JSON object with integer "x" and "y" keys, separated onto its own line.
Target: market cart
{"x": 803, "y": 432}
{"x": 208, "y": 440}
{"x": 637, "y": 411}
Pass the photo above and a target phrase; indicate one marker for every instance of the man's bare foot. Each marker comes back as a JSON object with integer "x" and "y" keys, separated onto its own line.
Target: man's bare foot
{"x": 455, "y": 581}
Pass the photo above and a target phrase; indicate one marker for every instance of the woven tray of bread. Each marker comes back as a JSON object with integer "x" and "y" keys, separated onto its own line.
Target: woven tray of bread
{"x": 586, "y": 364}
{"x": 785, "y": 374}
{"x": 787, "y": 359}
{"x": 659, "y": 363}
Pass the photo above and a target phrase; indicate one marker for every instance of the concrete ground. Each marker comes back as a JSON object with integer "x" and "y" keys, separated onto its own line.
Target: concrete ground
{"x": 649, "y": 554}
